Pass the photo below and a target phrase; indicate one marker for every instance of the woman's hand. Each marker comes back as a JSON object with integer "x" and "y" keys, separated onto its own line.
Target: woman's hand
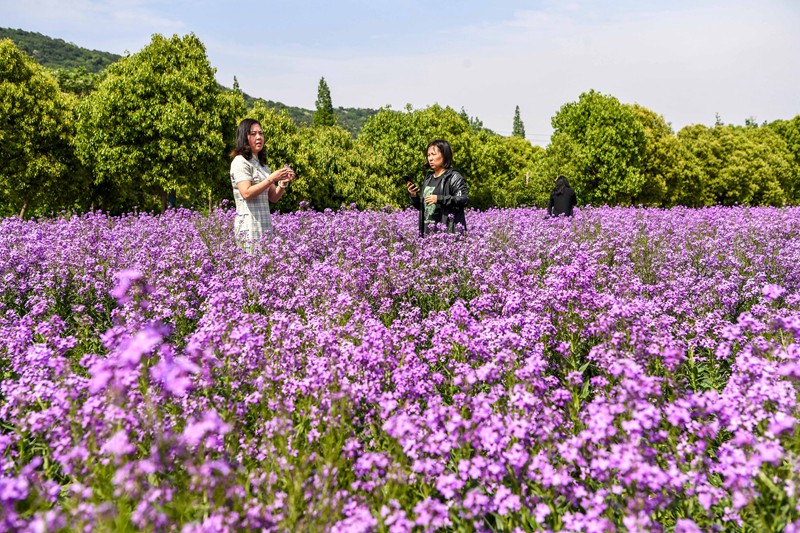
{"x": 281, "y": 178}
{"x": 284, "y": 175}
{"x": 412, "y": 189}
{"x": 290, "y": 174}
{"x": 431, "y": 199}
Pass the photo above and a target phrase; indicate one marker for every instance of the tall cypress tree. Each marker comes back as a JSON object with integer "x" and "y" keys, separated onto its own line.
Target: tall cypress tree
{"x": 324, "y": 115}
{"x": 519, "y": 127}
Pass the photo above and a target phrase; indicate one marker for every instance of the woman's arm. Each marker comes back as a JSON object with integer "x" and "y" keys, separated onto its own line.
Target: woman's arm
{"x": 248, "y": 190}
{"x": 276, "y": 192}
{"x": 460, "y": 196}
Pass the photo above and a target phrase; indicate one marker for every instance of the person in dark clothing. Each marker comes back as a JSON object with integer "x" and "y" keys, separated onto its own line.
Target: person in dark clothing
{"x": 444, "y": 192}
{"x": 562, "y": 199}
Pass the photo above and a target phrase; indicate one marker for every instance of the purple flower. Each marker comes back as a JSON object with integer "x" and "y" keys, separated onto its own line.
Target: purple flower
{"x": 772, "y": 291}
{"x": 781, "y": 423}
{"x": 118, "y": 444}
{"x": 125, "y": 280}
{"x": 210, "y": 423}
{"x": 174, "y": 374}
{"x": 448, "y": 485}
{"x": 541, "y": 512}
{"x": 685, "y": 525}
{"x": 143, "y": 342}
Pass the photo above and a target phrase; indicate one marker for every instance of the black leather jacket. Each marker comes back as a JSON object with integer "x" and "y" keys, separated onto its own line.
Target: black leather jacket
{"x": 451, "y": 200}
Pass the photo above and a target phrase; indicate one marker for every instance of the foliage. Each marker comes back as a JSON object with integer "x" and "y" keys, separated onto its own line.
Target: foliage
{"x": 70, "y": 64}
{"x": 474, "y": 122}
{"x": 789, "y": 130}
{"x": 77, "y": 81}
{"x": 57, "y": 53}
{"x": 157, "y": 123}
{"x": 741, "y": 165}
{"x": 398, "y": 139}
{"x": 147, "y": 131}
{"x": 518, "y": 129}
{"x": 39, "y": 172}
{"x": 502, "y": 171}
{"x": 598, "y": 143}
{"x": 669, "y": 176}
{"x": 324, "y": 115}
{"x": 349, "y": 118}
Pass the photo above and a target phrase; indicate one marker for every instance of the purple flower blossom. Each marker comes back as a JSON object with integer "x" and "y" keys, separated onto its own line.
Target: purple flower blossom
{"x": 125, "y": 280}
{"x": 360, "y": 381}
{"x": 118, "y": 444}
{"x": 143, "y": 342}
{"x": 772, "y": 292}
{"x": 197, "y": 430}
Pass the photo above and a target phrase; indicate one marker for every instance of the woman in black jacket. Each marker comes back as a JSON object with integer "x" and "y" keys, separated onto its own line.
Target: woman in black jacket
{"x": 444, "y": 192}
{"x": 562, "y": 199}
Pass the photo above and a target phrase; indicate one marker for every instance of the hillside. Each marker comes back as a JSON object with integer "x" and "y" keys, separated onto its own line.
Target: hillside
{"x": 349, "y": 118}
{"x": 56, "y": 53}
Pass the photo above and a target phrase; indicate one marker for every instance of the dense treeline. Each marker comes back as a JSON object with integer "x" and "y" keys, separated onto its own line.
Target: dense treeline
{"x": 155, "y": 124}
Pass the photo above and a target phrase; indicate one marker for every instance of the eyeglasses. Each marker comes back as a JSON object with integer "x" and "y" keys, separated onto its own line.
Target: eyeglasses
{"x": 256, "y": 133}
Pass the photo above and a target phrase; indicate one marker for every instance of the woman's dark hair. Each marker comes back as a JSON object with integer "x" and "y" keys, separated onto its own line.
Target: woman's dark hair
{"x": 243, "y": 144}
{"x": 444, "y": 149}
{"x": 561, "y": 184}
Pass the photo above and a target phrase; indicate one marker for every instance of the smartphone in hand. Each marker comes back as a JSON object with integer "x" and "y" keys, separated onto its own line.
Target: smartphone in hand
{"x": 411, "y": 187}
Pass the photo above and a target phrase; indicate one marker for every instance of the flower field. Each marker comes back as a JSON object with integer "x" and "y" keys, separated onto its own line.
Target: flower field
{"x": 623, "y": 370}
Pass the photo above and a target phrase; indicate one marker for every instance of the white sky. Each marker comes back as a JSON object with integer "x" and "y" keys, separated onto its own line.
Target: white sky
{"x": 686, "y": 60}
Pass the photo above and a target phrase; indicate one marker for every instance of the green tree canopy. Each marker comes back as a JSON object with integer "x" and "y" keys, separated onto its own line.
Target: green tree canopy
{"x": 158, "y": 122}
{"x": 598, "y": 143}
{"x": 39, "y": 170}
{"x": 397, "y": 140}
{"x": 741, "y": 165}
{"x": 324, "y": 115}
{"x": 789, "y": 130}
{"x": 502, "y": 172}
{"x": 670, "y": 177}
{"x": 77, "y": 81}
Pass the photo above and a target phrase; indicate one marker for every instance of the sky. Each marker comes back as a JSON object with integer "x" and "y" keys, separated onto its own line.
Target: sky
{"x": 689, "y": 61}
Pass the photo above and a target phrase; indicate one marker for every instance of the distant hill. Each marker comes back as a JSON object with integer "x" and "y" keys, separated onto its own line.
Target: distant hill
{"x": 350, "y": 118}
{"x": 58, "y": 54}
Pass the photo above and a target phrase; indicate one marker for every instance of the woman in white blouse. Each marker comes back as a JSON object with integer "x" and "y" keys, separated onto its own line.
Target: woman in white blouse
{"x": 254, "y": 186}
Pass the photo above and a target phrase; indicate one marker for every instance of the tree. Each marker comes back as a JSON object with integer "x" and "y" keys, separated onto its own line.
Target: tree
{"x": 398, "y": 140}
{"x": 324, "y": 115}
{"x": 741, "y": 165}
{"x": 158, "y": 123}
{"x": 502, "y": 171}
{"x": 598, "y": 143}
{"x": 36, "y": 127}
{"x": 789, "y": 130}
{"x": 475, "y": 123}
{"x": 670, "y": 177}
{"x": 519, "y": 127}
{"x": 77, "y": 81}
